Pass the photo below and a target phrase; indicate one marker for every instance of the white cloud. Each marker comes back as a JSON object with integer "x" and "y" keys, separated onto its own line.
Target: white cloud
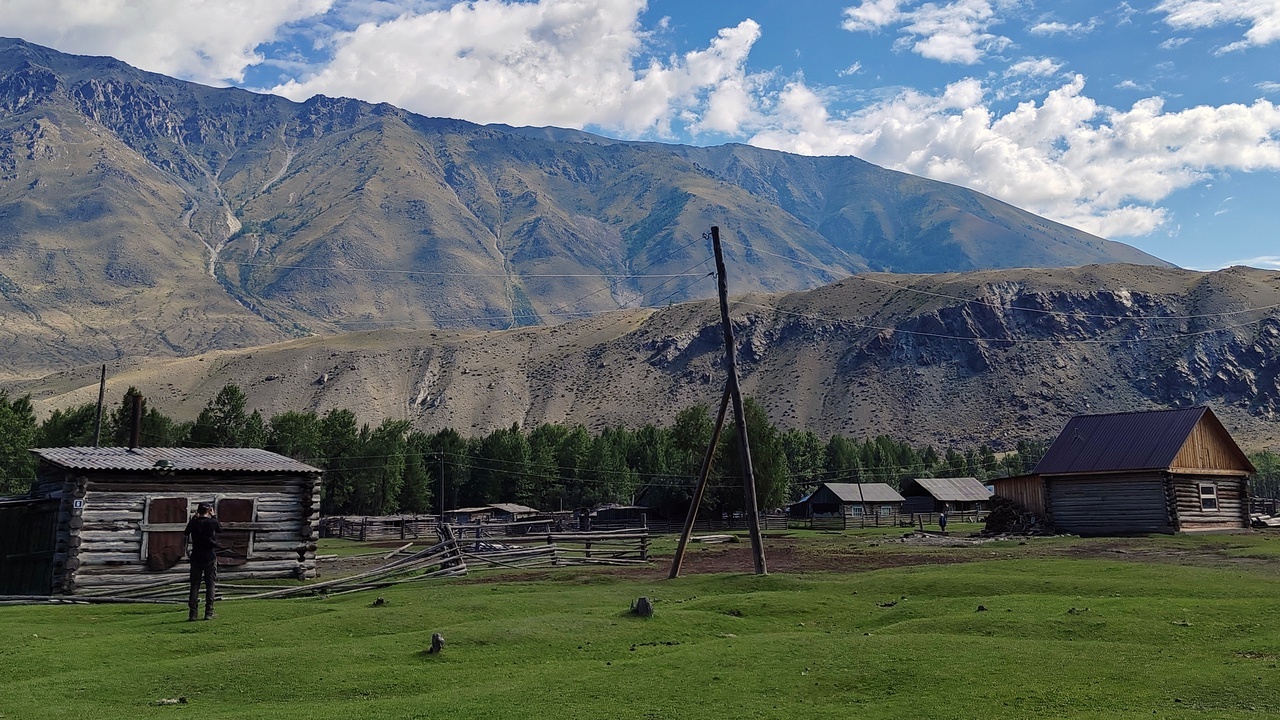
{"x": 1069, "y": 158}
{"x": 1174, "y": 43}
{"x": 1262, "y": 16}
{"x": 853, "y": 69}
{"x": 1033, "y": 67}
{"x": 569, "y": 63}
{"x": 1061, "y": 28}
{"x": 1264, "y": 262}
{"x": 1269, "y": 87}
{"x": 954, "y": 32}
{"x": 209, "y": 42}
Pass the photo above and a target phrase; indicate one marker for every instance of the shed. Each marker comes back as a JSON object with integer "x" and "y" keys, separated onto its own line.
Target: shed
{"x": 855, "y": 500}
{"x": 114, "y": 517}
{"x": 950, "y": 495}
{"x": 463, "y": 516}
{"x": 511, "y": 512}
{"x": 1156, "y": 471}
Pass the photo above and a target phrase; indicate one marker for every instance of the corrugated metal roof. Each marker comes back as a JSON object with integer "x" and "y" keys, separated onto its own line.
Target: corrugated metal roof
{"x": 513, "y": 508}
{"x": 963, "y": 489}
{"x": 1120, "y": 441}
{"x": 870, "y": 492}
{"x": 179, "y": 459}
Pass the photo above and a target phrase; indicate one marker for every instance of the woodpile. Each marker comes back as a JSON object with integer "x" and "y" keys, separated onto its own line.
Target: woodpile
{"x": 1010, "y": 518}
{"x": 1260, "y": 520}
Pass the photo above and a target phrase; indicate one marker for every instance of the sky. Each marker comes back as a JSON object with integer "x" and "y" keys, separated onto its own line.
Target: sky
{"x": 1155, "y": 123}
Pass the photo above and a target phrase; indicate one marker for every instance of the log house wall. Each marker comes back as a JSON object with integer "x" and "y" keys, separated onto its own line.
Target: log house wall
{"x": 1112, "y": 503}
{"x": 101, "y": 543}
{"x": 1232, "y": 496}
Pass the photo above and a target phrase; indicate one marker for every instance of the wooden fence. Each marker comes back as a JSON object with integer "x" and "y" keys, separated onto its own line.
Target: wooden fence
{"x": 917, "y": 520}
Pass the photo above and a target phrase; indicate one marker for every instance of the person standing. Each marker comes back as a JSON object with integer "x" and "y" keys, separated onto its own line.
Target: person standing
{"x": 201, "y": 539}
{"x": 942, "y": 523}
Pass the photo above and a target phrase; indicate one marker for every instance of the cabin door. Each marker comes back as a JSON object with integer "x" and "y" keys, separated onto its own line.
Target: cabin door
{"x": 28, "y": 533}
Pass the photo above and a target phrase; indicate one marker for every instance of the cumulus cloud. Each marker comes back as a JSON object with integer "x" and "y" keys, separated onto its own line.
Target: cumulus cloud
{"x": 209, "y": 42}
{"x": 554, "y": 62}
{"x": 1069, "y": 158}
{"x": 1262, "y": 17}
{"x": 954, "y": 32}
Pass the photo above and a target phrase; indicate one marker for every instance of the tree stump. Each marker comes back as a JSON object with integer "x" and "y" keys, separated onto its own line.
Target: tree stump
{"x": 642, "y": 607}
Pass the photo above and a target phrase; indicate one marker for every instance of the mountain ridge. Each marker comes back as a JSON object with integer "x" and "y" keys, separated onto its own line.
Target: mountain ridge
{"x": 949, "y": 360}
{"x": 141, "y": 215}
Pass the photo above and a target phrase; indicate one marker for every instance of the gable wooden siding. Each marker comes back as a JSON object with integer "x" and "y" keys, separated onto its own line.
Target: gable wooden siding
{"x": 1209, "y": 447}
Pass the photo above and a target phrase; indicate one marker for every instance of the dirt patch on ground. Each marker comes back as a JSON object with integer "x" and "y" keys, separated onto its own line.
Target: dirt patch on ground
{"x": 853, "y": 554}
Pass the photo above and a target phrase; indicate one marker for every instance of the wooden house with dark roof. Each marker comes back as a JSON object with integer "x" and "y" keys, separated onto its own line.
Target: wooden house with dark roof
{"x": 1160, "y": 471}
{"x": 101, "y": 518}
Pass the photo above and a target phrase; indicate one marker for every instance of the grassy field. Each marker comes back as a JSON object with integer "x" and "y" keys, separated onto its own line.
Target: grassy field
{"x": 1149, "y": 627}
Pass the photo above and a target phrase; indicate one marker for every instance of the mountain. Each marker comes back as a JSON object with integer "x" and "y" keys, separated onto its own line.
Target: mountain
{"x": 868, "y": 355}
{"x": 142, "y": 215}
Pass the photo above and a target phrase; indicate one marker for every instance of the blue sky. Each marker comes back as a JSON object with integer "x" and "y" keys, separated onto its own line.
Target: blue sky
{"x": 1154, "y": 123}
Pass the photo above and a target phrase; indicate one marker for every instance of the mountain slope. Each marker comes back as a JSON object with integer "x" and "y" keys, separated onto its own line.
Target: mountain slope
{"x": 142, "y": 215}
{"x": 872, "y": 354}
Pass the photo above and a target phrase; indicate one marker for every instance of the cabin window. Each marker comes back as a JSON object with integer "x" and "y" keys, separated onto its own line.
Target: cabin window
{"x": 885, "y": 511}
{"x": 1208, "y": 497}
{"x": 855, "y": 510}
{"x": 163, "y": 520}
{"x": 237, "y": 544}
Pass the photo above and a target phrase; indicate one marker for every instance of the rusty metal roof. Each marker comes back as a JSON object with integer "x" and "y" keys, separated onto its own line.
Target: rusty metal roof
{"x": 864, "y": 492}
{"x": 250, "y": 460}
{"x": 962, "y": 489}
{"x": 1121, "y": 441}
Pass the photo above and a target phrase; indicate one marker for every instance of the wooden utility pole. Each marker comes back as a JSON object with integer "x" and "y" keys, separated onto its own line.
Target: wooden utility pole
{"x": 703, "y": 473}
{"x": 734, "y": 393}
{"x": 102, "y": 393}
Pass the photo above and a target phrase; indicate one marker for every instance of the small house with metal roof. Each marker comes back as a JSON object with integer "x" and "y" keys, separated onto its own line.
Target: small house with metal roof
{"x": 960, "y": 495}
{"x": 1160, "y": 471}
{"x": 104, "y": 518}
{"x": 876, "y": 503}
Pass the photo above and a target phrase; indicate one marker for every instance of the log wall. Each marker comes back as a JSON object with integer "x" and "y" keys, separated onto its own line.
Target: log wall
{"x": 1110, "y": 504}
{"x": 1233, "y": 503}
{"x": 102, "y": 540}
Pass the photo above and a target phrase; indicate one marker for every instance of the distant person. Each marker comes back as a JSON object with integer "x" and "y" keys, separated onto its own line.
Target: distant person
{"x": 200, "y": 538}
{"x": 942, "y": 523}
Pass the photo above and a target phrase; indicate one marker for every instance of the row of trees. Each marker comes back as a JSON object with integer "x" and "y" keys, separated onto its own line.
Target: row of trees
{"x": 392, "y": 468}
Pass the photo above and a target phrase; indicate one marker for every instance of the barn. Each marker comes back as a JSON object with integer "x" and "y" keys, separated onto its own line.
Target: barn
{"x": 1160, "y": 471}
{"x": 962, "y": 495}
{"x": 100, "y": 518}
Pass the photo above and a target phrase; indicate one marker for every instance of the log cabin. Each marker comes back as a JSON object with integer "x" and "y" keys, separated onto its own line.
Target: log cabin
{"x": 860, "y": 501}
{"x": 114, "y": 517}
{"x": 960, "y": 495}
{"x": 1161, "y": 471}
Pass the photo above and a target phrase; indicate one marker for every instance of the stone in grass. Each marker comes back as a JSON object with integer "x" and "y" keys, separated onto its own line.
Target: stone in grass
{"x": 642, "y": 607}
{"x": 437, "y": 644}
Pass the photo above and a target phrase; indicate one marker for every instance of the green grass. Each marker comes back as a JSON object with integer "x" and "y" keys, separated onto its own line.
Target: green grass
{"x": 1087, "y": 638}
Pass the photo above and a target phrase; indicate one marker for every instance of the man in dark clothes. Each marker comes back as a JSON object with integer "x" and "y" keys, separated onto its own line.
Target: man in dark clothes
{"x": 201, "y": 533}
